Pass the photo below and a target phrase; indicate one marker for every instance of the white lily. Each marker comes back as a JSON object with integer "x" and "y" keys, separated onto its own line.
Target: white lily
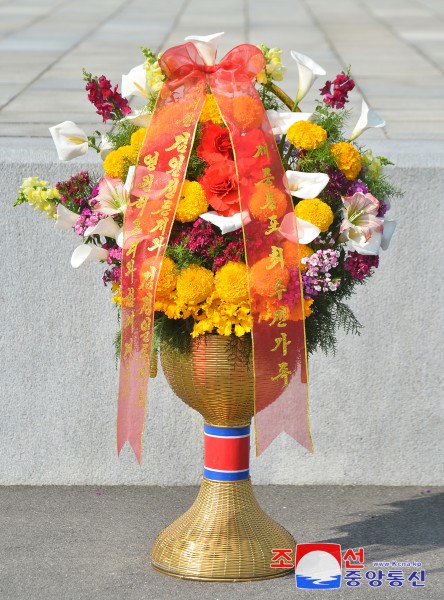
{"x": 306, "y": 185}
{"x": 134, "y": 83}
{"x": 297, "y": 230}
{"x": 107, "y": 227}
{"x": 309, "y": 71}
{"x": 69, "y": 139}
{"x": 368, "y": 118}
{"x": 361, "y": 226}
{"x": 378, "y": 241}
{"x": 112, "y": 197}
{"x": 105, "y": 147}
{"x": 225, "y": 224}
{"x": 281, "y": 121}
{"x": 87, "y": 252}
{"x": 206, "y": 46}
{"x": 65, "y": 218}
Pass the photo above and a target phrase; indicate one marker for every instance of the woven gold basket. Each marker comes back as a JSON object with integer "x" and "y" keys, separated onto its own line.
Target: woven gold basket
{"x": 225, "y": 535}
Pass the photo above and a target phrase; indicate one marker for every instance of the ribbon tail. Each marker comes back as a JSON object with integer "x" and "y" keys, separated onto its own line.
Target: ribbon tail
{"x": 149, "y": 217}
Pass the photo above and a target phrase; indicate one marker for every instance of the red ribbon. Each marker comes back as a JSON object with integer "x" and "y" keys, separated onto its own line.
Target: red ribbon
{"x": 277, "y": 313}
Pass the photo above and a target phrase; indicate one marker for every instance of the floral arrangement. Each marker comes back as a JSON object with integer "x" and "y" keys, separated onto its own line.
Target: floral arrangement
{"x": 339, "y": 190}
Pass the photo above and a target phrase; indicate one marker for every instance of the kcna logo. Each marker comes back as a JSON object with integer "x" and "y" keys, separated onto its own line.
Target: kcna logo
{"x": 318, "y": 566}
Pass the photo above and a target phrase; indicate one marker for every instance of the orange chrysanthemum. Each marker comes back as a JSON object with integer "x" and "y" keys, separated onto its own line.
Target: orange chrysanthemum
{"x": 293, "y": 253}
{"x": 265, "y": 280}
{"x": 247, "y": 112}
{"x": 267, "y": 201}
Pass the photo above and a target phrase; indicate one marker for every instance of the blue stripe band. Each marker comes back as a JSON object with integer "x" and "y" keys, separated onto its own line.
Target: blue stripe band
{"x": 226, "y": 431}
{"x": 228, "y": 476}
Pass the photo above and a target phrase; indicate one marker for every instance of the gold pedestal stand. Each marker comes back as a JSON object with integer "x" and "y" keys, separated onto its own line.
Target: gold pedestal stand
{"x": 225, "y": 535}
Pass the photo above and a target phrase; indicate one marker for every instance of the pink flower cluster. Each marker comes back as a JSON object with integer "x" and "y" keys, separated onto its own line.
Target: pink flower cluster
{"x": 87, "y": 218}
{"x": 317, "y": 278}
{"x": 108, "y": 102}
{"x": 360, "y": 265}
{"x": 114, "y": 258}
{"x": 341, "y": 86}
{"x": 201, "y": 239}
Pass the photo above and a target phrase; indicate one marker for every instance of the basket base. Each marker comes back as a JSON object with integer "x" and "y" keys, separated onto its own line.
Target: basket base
{"x": 224, "y": 536}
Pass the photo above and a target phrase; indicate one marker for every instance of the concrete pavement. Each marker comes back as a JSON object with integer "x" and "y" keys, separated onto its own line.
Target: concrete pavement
{"x": 396, "y": 51}
{"x": 84, "y": 543}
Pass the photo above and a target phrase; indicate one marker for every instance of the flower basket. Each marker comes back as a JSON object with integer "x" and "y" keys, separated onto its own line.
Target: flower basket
{"x": 233, "y": 227}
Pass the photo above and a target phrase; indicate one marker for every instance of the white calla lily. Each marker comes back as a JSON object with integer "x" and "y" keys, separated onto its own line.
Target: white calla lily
{"x": 105, "y": 147}
{"x": 389, "y": 228}
{"x": 306, "y": 185}
{"x": 107, "y": 227}
{"x": 225, "y": 224}
{"x": 66, "y": 219}
{"x": 368, "y": 118}
{"x": 141, "y": 118}
{"x": 129, "y": 179}
{"x": 281, "y": 121}
{"x": 309, "y": 71}
{"x": 206, "y": 46}
{"x": 298, "y": 230}
{"x": 87, "y": 252}
{"x": 69, "y": 139}
{"x": 134, "y": 83}
{"x": 119, "y": 238}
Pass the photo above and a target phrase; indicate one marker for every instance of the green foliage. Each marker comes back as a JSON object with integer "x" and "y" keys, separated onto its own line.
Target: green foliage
{"x": 331, "y": 120}
{"x": 173, "y": 332}
{"x": 121, "y": 134}
{"x": 196, "y": 165}
{"x": 269, "y": 100}
{"x": 183, "y": 257}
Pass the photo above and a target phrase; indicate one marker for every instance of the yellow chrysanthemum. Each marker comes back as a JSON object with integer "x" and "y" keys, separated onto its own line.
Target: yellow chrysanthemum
{"x": 293, "y": 253}
{"x": 137, "y": 138}
{"x": 194, "y": 285}
{"x": 223, "y": 318}
{"x": 117, "y": 163}
{"x": 231, "y": 282}
{"x": 267, "y": 201}
{"x": 348, "y": 158}
{"x": 167, "y": 277}
{"x": 316, "y": 212}
{"x": 210, "y": 111}
{"x": 192, "y": 203}
{"x": 247, "y": 112}
{"x": 306, "y": 135}
{"x": 265, "y": 280}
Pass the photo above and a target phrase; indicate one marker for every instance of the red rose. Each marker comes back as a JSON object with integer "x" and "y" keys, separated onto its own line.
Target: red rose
{"x": 220, "y": 184}
{"x": 215, "y": 144}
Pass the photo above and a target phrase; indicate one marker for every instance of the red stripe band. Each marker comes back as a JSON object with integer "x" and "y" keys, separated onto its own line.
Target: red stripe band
{"x": 226, "y": 453}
